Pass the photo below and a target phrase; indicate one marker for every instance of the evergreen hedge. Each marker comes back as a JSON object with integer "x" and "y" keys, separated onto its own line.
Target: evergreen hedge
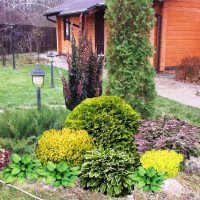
{"x": 131, "y": 75}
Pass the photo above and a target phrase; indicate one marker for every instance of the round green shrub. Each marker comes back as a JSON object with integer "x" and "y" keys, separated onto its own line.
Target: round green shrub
{"x": 109, "y": 119}
{"x": 108, "y": 172}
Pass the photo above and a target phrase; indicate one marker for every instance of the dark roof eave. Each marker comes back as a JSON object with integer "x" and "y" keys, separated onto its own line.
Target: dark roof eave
{"x": 51, "y": 14}
{"x": 82, "y": 11}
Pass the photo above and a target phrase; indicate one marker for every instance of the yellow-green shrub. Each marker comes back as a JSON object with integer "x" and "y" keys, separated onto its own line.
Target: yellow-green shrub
{"x": 162, "y": 161}
{"x": 64, "y": 145}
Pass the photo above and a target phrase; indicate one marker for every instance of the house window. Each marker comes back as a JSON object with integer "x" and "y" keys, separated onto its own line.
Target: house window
{"x": 66, "y": 29}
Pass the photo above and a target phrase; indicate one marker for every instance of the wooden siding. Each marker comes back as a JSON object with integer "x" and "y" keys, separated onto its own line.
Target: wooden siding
{"x": 182, "y": 30}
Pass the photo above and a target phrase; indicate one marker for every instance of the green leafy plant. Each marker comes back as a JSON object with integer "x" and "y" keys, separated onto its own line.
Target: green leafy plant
{"x": 109, "y": 119}
{"x": 148, "y": 179}
{"x": 24, "y": 123}
{"x": 108, "y": 172}
{"x": 21, "y": 168}
{"x": 131, "y": 75}
{"x": 60, "y": 174}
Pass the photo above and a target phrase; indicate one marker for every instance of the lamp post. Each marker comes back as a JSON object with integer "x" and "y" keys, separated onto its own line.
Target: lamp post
{"x": 38, "y": 81}
{"x": 51, "y": 55}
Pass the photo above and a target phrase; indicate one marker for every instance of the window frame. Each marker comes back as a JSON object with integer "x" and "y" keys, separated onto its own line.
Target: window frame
{"x": 66, "y": 24}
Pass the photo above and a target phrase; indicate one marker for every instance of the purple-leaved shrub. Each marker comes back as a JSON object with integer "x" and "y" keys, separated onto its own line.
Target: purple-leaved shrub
{"x": 4, "y": 158}
{"x": 167, "y": 133}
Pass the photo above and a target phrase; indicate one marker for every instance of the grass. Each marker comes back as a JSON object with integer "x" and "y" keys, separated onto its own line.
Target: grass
{"x": 16, "y": 87}
{"x": 171, "y": 108}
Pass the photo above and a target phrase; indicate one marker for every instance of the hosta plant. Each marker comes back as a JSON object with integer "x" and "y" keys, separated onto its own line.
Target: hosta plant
{"x": 60, "y": 174}
{"x": 148, "y": 179}
{"x": 163, "y": 161}
{"x": 4, "y": 158}
{"x": 167, "y": 133}
{"x": 108, "y": 172}
{"x": 21, "y": 168}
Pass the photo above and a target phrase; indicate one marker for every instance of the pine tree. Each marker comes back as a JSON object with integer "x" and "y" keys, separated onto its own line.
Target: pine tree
{"x": 131, "y": 75}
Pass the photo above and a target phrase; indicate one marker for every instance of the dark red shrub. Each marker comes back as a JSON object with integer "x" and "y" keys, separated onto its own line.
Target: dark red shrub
{"x": 85, "y": 71}
{"x": 4, "y": 158}
{"x": 189, "y": 70}
{"x": 166, "y": 133}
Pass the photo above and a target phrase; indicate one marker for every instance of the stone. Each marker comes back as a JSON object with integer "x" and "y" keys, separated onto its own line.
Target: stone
{"x": 193, "y": 166}
{"x": 173, "y": 188}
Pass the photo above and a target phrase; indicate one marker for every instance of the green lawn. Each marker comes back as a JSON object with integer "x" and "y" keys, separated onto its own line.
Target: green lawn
{"x": 16, "y": 90}
{"x": 16, "y": 87}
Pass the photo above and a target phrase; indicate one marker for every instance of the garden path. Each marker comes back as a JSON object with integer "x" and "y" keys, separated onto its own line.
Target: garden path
{"x": 185, "y": 93}
{"x": 166, "y": 86}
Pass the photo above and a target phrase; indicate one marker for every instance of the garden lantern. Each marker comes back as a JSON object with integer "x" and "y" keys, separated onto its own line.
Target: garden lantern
{"x": 51, "y": 55}
{"x": 38, "y": 81}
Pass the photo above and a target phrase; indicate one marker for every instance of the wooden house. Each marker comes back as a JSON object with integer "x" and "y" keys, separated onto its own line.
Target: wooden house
{"x": 176, "y": 33}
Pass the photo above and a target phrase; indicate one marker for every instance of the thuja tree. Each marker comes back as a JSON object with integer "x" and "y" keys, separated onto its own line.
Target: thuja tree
{"x": 131, "y": 75}
{"x": 85, "y": 71}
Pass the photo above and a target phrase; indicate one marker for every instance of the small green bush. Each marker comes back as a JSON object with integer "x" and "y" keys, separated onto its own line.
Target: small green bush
{"x": 25, "y": 123}
{"x": 60, "y": 174}
{"x": 148, "y": 179}
{"x": 64, "y": 145}
{"x": 21, "y": 168}
{"x": 108, "y": 172}
{"x": 110, "y": 120}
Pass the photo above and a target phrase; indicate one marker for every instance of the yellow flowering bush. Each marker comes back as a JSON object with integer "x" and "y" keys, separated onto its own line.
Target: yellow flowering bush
{"x": 64, "y": 145}
{"x": 163, "y": 161}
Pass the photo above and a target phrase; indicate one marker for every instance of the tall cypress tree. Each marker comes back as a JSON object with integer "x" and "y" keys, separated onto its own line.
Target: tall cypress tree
{"x": 131, "y": 75}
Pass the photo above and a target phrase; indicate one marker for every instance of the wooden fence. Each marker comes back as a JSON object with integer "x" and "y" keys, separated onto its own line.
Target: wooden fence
{"x": 48, "y": 41}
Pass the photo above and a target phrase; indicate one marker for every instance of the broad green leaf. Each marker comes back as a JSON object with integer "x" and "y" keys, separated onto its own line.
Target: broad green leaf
{"x": 57, "y": 184}
{"x": 50, "y": 180}
{"x": 16, "y": 158}
{"x": 140, "y": 184}
{"x": 103, "y": 188}
{"x": 117, "y": 189}
{"x": 147, "y": 188}
{"x": 155, "y": 188}
{"x": 6, "y": 175}
{"x": 26, "y": 159}
{"x": 11, "y": 179}
{"x": 151, "y": 172}
{"x": 51, "y": 166}
{"x": 141, "y": 171}
{"x": 15, "y": 171}
{"x": 128, "y": 181}
{"x": 75, "y": 168}
{"x": 62, "y": 166}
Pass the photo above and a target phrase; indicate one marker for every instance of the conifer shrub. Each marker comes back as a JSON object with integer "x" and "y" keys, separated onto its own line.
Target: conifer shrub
{"x": 131, "y": 75}
{"x": 25, "y": 123}
{"x": 109, "y": 119}
{"x": 163, "y": 161}
{"x": 108, "y": 172}
{"x": 64, "y": 145}
{"x": 85, "y": 71}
